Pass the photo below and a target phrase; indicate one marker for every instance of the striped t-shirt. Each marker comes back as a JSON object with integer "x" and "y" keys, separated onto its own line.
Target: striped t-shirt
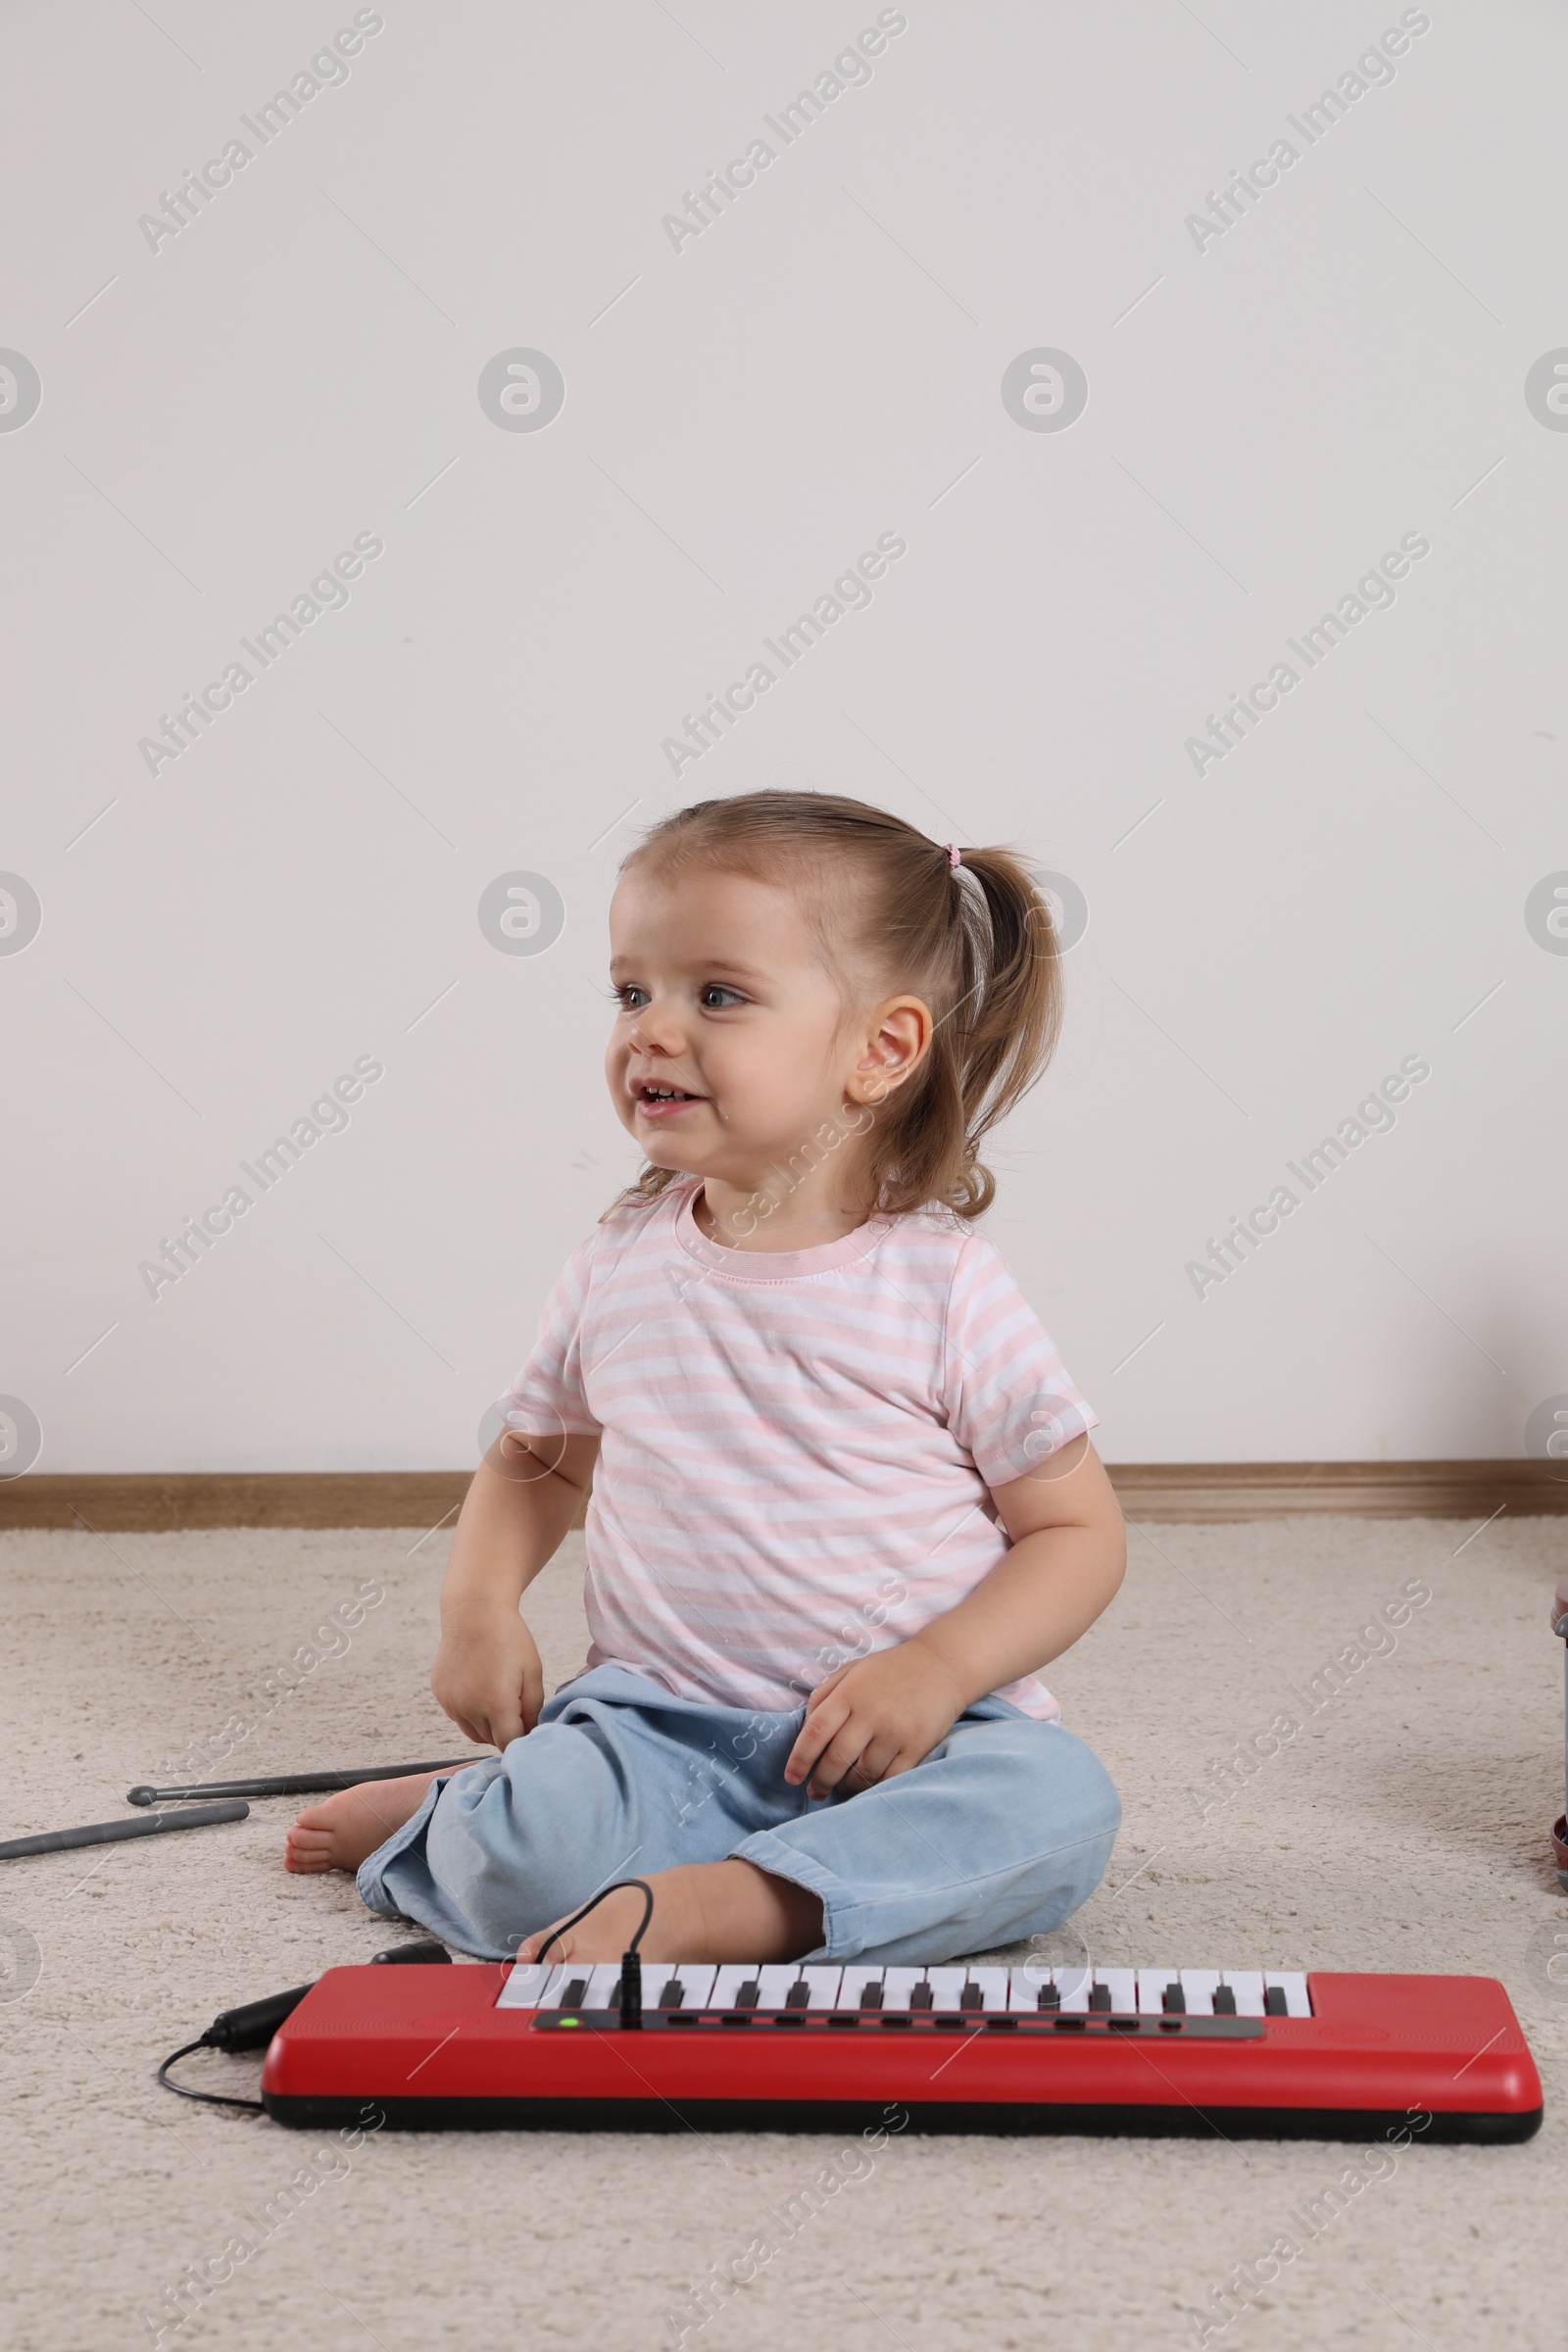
{"x": 796, "y": 1448}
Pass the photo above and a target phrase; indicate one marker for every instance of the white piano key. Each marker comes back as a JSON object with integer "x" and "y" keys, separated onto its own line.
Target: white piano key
{"x": 1073, "y": 1984}
{"x": 776, "y": 1982}
{"x": 604, "y": 1987}
{"x": 946, "y": 1983}
{"x": 573, "y": 1972}
{"x": 1293, "y": 1984}
{"x": 1024, "y": 1985}
{"x": 1248, "y": 1985}
{"x": 695, "y": 1978}
{"x": 823, "y": 1985}
{"x": 729, "y": 1982}
{"x": 993, "y": 1983}
{"x": 536, "y": 1985}
{"x": 1198, "y": 1985}
{"x": 897, "y": 1983}
{"x": 1123, "y": 1984}
{"x": 854, "y": 1982}
{"x": 1152, "y": 1983}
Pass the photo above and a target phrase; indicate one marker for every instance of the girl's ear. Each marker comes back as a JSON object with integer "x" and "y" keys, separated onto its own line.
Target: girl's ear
{"x": 893, "y": 1046}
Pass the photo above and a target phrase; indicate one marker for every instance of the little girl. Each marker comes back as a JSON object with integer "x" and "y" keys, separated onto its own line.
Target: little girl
{"x": 844, "y": 1501}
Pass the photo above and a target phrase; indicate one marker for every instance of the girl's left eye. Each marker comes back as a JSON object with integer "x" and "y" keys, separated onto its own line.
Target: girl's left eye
{"x": 715, "y": 998}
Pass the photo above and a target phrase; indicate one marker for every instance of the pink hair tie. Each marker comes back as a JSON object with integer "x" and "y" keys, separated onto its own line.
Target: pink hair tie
{"x": 954, "y": 854}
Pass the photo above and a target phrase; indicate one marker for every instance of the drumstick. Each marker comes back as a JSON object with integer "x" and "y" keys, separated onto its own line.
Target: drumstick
{"x": 105, "y": 1832}
{"x": 296, "y": 1783}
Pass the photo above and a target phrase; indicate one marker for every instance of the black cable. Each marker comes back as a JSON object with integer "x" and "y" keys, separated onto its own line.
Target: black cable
{"x": 208, "y": 2099}
{"x": 630, "y": 2003}
{"x": 252, "y": 2026}
{"x": 593, "y": 1901}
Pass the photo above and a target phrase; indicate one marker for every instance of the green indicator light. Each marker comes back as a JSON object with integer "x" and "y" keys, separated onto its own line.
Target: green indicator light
{"x": 569, "y": 2020}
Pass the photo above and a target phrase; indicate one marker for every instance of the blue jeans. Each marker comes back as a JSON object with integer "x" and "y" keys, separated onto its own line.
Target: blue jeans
{"x": 1001, "y": 1832}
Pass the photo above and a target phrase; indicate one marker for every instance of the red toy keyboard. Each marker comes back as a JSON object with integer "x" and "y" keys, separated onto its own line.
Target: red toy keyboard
{"x": 1251, "y": 2052}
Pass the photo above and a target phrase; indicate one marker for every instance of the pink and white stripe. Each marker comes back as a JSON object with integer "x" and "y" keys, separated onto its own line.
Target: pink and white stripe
{"x": 797, "y": 1448}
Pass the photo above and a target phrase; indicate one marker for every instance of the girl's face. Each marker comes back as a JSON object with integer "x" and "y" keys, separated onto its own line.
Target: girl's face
{"x": 731, "y": 1045}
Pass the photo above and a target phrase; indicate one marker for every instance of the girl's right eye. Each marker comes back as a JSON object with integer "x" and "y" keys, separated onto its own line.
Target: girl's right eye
{"x": 630, "y": 998}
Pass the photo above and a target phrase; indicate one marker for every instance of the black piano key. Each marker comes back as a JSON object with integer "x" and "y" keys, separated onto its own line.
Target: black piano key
{"x": 871, "y": 1996}
{"x": 1049, "y": 1998}
{"x": 1224, "y": 2000}
{"x": 798, "y": 1996}
{"x": 1274, "y": 2001}
{"x": 575, "y": 1994}
{"x": 1173, "y": 2000}
{"x": 921, "y": 1997}
{"x": 750, "y": 1994}
{"x": 674, "y": 1995}
{"x": 1100, "y": 1998}
{"x": 971, "y": 1997}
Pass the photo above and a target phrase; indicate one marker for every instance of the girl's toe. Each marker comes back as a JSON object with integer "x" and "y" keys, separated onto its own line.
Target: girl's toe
{"x": 307, "y": 1850}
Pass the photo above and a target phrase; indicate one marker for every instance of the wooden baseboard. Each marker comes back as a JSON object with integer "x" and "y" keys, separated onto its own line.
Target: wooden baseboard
{"x": 135, "y": 1501}
{"x": 1208, "y": 1491}
{"x": 1221, "y": 1491}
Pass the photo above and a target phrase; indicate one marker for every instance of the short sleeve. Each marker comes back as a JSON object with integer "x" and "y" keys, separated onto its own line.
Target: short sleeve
{"x": 1011, "y": 1403}
{"x": 547, "y": 1397}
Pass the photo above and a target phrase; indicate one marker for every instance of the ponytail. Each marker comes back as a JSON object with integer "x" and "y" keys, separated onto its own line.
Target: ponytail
{"x": 974, "y": 938}
{"x": 990, "y": 1046}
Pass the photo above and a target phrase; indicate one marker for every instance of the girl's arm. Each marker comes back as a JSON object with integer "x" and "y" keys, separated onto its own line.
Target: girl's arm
{"x": 524, "y": 1495}
{"x": 882, "y": 1714}
{"x": 1068, "y": 1558}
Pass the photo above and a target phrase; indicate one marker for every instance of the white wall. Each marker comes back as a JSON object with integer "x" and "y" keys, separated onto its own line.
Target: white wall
{"x": 1269, "y": 413}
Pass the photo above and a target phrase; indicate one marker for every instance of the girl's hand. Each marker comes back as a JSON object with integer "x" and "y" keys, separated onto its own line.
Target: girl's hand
{"x": 488, "y": 1677}
{"x": 880, "y": 1716}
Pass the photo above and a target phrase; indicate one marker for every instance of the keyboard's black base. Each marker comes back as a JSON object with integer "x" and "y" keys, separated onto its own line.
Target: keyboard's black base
{"x": 1000, "y": 2121}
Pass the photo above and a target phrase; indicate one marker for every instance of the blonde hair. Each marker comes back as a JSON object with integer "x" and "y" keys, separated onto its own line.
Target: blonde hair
{"x": 976, "y": 942}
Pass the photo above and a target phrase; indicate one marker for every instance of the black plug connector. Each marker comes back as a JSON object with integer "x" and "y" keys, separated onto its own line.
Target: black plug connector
{"x": 631, "y": 1987}
{"x": 252, "y": 2026}
{"x": 629, "y": 1990}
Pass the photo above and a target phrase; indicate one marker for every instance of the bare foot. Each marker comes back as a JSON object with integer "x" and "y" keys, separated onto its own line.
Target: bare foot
{"x": 702, "y": 1911}
{"x": 341, "y": 1831}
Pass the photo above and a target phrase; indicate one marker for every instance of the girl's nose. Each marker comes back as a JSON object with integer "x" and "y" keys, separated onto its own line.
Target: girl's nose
{"x": 656, "y": 1033}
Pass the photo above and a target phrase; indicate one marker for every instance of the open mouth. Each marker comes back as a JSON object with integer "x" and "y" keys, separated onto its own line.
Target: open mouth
{"x": 659, "y": 1101}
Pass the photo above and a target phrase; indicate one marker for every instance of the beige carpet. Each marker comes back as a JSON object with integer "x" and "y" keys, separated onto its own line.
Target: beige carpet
{"x": 1404, "y": 1827}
